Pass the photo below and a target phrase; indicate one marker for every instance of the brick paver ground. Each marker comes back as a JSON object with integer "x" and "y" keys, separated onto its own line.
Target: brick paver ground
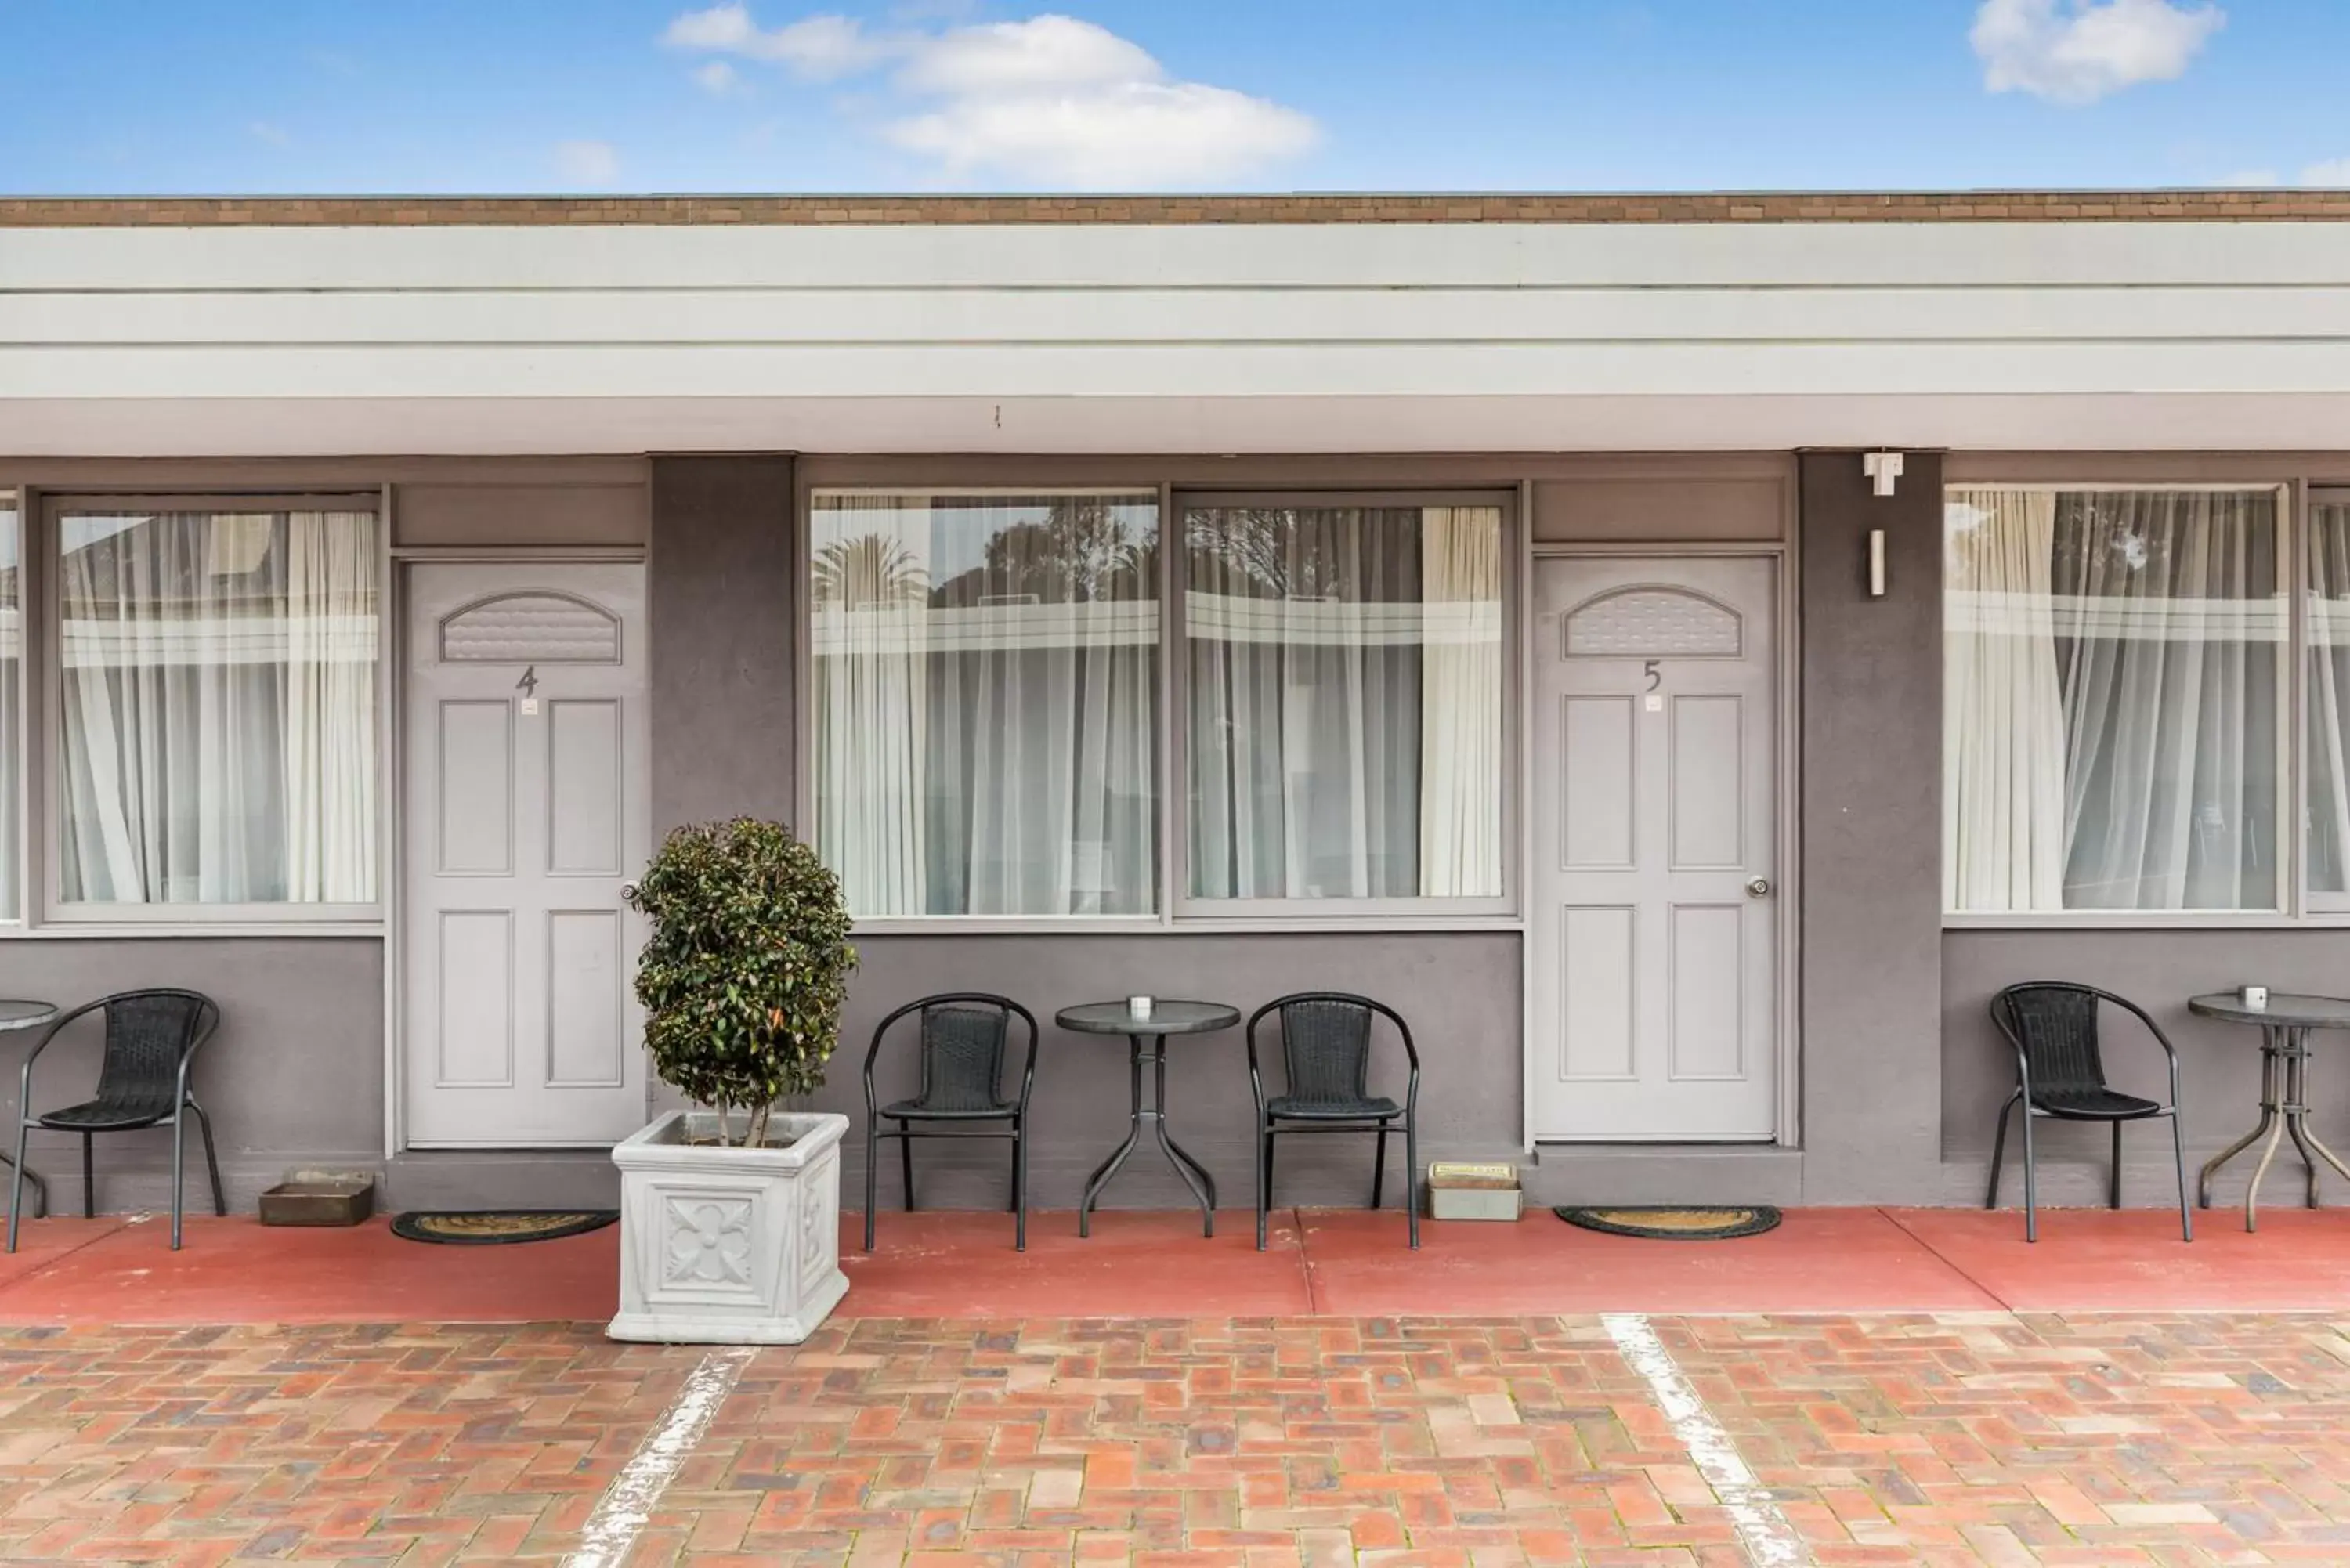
{"x": 1295, "y": 1443}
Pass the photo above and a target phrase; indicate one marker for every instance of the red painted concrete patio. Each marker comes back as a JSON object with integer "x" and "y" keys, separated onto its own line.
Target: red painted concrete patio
{"x": 1337, "y": 1262}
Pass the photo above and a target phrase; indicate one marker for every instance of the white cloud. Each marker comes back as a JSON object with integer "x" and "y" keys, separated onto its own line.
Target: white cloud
{"x": 1040, "y": 54}
{"x": 1138, "y": 134}
{"x": 269, "y": 132}
{"x": 588, "y": 163}
{"x": 2331, "y": 171}
{"x": 817, "y": 48}
{"x": 718, "y": 79}
{"x": 1052, "y": 99}
{"x": 2077, "y": 51}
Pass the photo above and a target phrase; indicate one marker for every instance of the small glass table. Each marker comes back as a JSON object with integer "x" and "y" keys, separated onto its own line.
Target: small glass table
{"x": 1145, "y": 1037}
{"x": 15, "y": 1017}
{"x": 2286, "y": 1026}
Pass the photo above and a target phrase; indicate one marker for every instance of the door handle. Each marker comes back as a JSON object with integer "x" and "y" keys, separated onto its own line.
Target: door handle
{"x": 1759, "y": 889}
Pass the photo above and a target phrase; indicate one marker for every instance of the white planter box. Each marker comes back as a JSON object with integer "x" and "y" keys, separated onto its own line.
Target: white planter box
{"x": 729, "y": 1246}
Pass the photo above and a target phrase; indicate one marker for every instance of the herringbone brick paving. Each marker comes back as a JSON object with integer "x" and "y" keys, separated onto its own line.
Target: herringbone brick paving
{"x": 1264, "y": 1443}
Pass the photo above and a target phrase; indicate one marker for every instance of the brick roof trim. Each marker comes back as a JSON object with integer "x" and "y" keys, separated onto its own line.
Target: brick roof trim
{"x": 1761, "y": 207}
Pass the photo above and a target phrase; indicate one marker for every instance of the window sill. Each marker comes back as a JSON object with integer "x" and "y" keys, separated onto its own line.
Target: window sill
{"x": 116, "y": 930}
{"x": 2124, "y": 920}
{"x": 1152, "y": 925}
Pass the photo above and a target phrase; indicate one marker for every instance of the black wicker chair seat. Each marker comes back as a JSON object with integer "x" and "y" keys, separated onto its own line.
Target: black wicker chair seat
{"x": 107, "y": 1115}
{"x": 915, "y": 1111}
{"x": 1353, "y": 1108}
{"x": 2095, "y": 1104}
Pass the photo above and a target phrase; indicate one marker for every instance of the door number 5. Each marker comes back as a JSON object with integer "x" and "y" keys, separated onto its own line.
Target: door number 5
{"x": 1652, "y": 702}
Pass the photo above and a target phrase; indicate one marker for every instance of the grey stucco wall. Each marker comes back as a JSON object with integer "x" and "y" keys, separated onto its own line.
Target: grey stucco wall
{"x": 722, "y": 597}
{"x": 293, "y": 1077}
{"x": 1872, "y": 833}
{"x": 2220, "y": 1065}
{"x": 1459, "y": 991}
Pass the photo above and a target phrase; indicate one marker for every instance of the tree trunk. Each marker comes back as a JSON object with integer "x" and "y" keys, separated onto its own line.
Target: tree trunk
{"x": 757, "y": 1137}
{"x": 723, "y": 1141}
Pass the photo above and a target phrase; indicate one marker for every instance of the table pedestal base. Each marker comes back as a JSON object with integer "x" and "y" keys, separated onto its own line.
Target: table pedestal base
{"x": 2284, "y": 1109}
{"x": 1150, "y": 1049}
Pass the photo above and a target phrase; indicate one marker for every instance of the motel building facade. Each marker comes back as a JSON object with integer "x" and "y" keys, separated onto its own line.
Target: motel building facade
{"x": 1686, "y": 654}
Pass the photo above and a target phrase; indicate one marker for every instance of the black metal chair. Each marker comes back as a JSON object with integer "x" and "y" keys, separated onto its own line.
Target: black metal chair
{"x": 2061, "y": 1075}
{"x": 1325, "y": 1051}
{"x": 963, "y": 1036}
{"x": 151, "y": 1041}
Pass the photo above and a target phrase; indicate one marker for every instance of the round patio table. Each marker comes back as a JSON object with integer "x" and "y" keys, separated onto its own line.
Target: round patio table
{"x": 15, "y": 1017}
{"x": 1146, "y": 1037}
{"x": 2285, "y": 1025}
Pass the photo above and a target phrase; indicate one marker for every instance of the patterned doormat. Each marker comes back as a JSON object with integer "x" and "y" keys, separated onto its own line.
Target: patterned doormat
{"x": 495, "y": 1227}
{"x": 1676, "y": 1222}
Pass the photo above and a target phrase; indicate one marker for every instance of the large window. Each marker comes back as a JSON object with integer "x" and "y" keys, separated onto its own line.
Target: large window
{"x": 988, "y": 672}
{"x": 1344, "y": 685}
{"x": 986, "y": 701}
{"x": 2114, "y": 684}
{"x": 216, "y": 693}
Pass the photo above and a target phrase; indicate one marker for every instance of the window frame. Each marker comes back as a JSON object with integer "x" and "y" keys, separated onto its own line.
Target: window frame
{"x": 1175, "y": 910}
{"x": 43, "y": 790}
{"x": 2292, "y": 909}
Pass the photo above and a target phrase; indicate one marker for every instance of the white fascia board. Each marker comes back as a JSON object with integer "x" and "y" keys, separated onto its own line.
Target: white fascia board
{"x": 1057, "y": 255}
{"x": 324, "y": 427}
{"x": 1189, "y": 370}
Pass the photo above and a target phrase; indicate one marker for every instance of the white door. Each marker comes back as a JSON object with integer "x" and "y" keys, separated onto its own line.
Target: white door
{"x": 1656, "y": 928}
{"x": 527, "y": 811}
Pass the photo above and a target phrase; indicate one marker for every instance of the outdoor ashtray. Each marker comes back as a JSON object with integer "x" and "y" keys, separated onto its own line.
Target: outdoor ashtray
{"x": 1459, "y": 1190}
{"x": 319, "y": 1198}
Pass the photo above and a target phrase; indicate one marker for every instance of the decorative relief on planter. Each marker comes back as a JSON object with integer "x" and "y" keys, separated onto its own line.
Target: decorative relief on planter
{"x": 709, "y": 1241}
{"x": 1652, "y": 623}
{"x": 817, "y": 1235}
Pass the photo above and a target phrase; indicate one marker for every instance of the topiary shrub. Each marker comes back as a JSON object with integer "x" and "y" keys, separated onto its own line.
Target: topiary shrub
{"x": 744, "y": 971}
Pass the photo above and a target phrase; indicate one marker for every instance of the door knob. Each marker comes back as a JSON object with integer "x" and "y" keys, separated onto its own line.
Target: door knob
{"x": 1759, "y": 889}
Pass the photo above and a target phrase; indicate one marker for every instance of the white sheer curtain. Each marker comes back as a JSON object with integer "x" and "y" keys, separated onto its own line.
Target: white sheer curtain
{"x": 1460, "y": 764}
{"x": 2329, "y": 698}
{"x": 2170, "y": 700}
{"x": 2164, "y": 627}
{"x": 871, "y": 594}
{"x": 331, "y": 577}
{"x": 1345, "y": 701}
{"x": 986, "y": 721}
{"x": 219, "y": 707}
{"x": 2003, "y": 804}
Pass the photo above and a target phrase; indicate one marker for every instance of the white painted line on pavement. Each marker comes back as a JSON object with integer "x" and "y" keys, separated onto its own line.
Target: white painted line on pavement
{"x": 626, "y": 1506}
{"x": 1770, "y": 1541}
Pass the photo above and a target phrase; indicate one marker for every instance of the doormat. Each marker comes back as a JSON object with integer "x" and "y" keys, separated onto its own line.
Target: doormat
{"x": 495, "y": 1227}
{"x": 1676, "y": 1223}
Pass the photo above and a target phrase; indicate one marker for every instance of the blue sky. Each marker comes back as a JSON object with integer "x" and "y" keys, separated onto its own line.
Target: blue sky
{"x": 203, "y": 95}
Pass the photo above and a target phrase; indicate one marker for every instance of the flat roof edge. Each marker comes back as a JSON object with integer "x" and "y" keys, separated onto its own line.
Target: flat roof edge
{"x": 1722, "y": 207}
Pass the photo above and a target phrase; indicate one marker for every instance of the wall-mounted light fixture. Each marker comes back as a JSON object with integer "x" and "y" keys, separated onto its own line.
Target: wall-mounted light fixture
{"x": 1883, "y": 469}
{"x": 1877, "y": 563}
